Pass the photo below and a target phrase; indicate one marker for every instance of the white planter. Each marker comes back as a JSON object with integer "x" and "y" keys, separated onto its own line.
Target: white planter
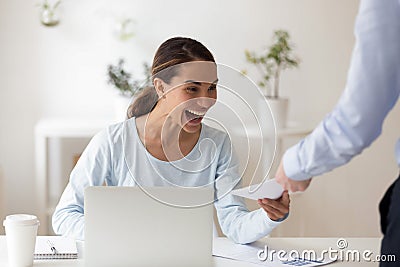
{"x": 279, "y": 108}
{"x": 121, "y": 104}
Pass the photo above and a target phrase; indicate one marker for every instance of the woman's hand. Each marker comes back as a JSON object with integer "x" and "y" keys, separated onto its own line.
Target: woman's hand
{"x": 276, "y": 209}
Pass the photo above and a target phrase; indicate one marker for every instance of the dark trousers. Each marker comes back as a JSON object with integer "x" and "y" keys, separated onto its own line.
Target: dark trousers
{"x": 389, "y": 208}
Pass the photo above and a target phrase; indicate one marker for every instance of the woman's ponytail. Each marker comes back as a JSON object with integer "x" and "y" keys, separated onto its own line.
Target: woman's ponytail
{"x": 143, "y": 103}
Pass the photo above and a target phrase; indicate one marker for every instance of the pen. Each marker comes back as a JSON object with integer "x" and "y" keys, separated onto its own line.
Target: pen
{"x": 52, "y": 247}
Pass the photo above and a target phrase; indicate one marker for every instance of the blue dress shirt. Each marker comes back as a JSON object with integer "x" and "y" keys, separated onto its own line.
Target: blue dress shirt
{"x": 372, "y": 89}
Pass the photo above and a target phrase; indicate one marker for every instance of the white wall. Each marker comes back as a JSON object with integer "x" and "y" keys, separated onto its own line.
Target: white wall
{"x": 60, "y": 72}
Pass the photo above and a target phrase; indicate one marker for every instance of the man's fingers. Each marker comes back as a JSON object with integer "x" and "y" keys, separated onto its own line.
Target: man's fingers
{"x": 295, "y": 186}
{"x": 285, "y": 198}
{"x": 289, "y": 184}
{"x": 281, "y": 177}
{"x": 286, "y": 186}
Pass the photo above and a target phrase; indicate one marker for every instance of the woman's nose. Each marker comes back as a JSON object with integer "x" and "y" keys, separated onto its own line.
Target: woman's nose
{"x": 205, "y": 102}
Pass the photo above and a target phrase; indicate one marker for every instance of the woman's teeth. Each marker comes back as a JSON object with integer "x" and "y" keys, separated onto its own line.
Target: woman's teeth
{"x": 197, "y": 113}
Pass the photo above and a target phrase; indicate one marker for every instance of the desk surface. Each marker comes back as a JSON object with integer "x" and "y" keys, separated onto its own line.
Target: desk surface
{"x": 318, "y": 244}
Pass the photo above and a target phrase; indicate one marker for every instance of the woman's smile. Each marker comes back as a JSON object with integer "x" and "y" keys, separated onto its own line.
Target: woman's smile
{"x": 193, "y": 117}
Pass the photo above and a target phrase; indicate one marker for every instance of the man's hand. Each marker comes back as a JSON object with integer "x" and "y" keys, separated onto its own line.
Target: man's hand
{"x": 276, "y": 209}
{"x": 289, "y": 184}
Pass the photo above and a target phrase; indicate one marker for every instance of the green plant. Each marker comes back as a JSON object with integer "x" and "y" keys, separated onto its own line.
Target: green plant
{"x": 48, "y": 15}
{"x": 46, "y": 5}
{"x": 276, "y": 59}
{"x": 125, "y": 29}
{"x": 123, "y": 81}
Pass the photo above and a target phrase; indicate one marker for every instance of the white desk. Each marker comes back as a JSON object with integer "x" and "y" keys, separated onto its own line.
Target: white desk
{"x": 318, "y": 244}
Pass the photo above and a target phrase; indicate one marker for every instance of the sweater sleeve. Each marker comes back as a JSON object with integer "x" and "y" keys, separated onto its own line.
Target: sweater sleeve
{"x": 92, "y": 169}
{"x": 237, "y": 222}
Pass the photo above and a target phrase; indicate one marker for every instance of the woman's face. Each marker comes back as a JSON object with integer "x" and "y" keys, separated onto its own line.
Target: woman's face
{"x": 190, "y": 94}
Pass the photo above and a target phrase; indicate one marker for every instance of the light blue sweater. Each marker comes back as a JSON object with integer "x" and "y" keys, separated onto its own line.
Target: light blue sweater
{"x": 117, "y": 157}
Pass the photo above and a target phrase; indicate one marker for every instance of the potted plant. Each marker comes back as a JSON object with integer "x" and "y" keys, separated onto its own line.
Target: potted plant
{"x": 48, "y": 15}
{"x": 276, "y": 59}
{"x": 127, "y": 86}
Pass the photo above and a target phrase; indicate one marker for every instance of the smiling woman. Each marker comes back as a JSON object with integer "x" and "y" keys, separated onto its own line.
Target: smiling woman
{"x": 188, "y": 95}
{"x": 171, "y": 53}
{"x": 165, "y": 143}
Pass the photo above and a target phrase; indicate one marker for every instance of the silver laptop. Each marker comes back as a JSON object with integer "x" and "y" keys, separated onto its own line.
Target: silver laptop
{"x": 124, "y": 226}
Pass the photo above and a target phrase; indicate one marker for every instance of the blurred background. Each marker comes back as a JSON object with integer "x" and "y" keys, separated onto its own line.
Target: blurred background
{"x": 53, "y": 76}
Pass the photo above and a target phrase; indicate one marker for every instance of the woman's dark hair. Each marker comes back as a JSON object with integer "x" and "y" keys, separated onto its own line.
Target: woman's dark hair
{"x": 172, "y": 52}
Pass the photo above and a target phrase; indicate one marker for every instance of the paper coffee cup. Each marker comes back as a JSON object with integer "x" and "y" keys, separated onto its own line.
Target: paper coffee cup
{"x": 21, "y": 231}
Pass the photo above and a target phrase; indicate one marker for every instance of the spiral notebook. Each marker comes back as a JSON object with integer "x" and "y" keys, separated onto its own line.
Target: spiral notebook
{"x": 55, "y": 247}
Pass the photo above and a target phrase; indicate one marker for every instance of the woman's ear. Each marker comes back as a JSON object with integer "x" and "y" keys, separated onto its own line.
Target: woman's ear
{"x": 159, "y": 86}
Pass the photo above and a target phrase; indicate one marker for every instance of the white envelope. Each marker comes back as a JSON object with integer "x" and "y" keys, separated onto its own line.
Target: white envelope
{"x": 268, "y": 189}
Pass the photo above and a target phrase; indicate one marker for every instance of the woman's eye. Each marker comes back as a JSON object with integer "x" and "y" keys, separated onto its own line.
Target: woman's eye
{"x": 212, "y": 88}
{"x": 191, "y": 89}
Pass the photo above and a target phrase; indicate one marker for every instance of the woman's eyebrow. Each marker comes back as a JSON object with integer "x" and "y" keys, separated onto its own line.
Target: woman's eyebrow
{"x": 198, "y": 83}
{"x": 192, "y": 81}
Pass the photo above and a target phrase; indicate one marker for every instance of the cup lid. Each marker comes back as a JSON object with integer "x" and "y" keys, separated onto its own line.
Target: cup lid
{"x": 21, "y": 220}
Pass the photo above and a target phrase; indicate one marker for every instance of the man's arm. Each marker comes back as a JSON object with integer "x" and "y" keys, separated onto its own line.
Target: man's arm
{"x": 371, "y": 91}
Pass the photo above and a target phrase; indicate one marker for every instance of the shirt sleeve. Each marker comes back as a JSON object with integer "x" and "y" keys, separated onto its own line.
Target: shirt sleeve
{"x": 236, "y": 221}
{"x": 92, "y": 169}
{"x": 372, "y": 89}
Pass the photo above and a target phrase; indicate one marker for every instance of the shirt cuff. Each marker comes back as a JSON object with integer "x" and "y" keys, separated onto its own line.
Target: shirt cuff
{"x": 268, "y": 220}
{"x": 291, "y": 165}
